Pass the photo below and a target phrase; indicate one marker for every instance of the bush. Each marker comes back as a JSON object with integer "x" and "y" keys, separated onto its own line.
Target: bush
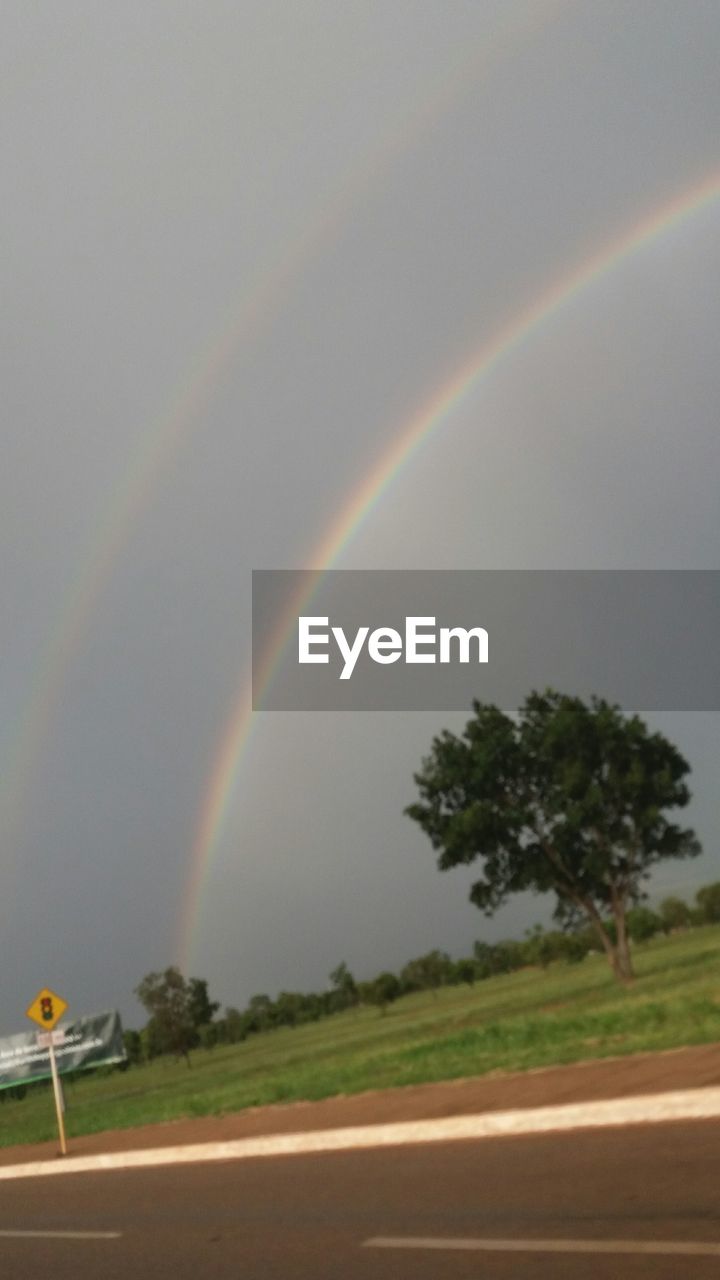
{"x": 708, "y": 902}
{"x": 502, "y": 957}
{"x": 675, "y": 914}
{"x": 209, "y": 1035}
{"x": 381, "y": 991}
{"x": 642, "y": 923}
{"x": 427, "y": 972}
{"x": 133, "y": 1047}
{"x": 464, "y": 971}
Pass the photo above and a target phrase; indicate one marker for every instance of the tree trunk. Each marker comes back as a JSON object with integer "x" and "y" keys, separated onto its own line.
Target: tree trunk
{"x": 623, "y": 966}
{"x": 606, "y": 941}
{"x": 618, "y": 954}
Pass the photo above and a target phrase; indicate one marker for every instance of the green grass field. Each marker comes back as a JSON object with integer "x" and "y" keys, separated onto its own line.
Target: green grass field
{"x": 511, "y": 1023}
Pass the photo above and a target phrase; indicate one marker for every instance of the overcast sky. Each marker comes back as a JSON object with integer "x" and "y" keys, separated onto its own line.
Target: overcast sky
{"x": 243, "y": 245}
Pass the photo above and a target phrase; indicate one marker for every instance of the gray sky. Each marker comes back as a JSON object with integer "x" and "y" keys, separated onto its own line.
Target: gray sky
{"x": 244, "y": 244}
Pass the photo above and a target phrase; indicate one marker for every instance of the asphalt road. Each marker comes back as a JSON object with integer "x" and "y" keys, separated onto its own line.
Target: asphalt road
{"x": 576, "y": 1205}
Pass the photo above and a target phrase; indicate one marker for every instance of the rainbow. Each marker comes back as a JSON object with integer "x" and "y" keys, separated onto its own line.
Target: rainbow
{"x": 166, "y": 433}
{"x": 375, "y": 483}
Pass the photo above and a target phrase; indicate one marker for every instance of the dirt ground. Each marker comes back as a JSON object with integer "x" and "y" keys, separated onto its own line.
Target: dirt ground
{"x": 645, "y": 1073}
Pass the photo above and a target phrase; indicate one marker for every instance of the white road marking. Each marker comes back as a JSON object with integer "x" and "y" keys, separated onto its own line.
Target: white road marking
{"x": 60, "y": 1235}
{"x": 694, "y": 1248}
{"x": 686, "y": 1104}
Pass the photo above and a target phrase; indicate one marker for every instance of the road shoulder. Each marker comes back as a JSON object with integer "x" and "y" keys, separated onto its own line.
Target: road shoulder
{"x": 640, "y": 1076}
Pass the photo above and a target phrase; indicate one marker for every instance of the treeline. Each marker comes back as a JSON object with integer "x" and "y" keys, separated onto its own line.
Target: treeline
{"x": 182, "y": 1017}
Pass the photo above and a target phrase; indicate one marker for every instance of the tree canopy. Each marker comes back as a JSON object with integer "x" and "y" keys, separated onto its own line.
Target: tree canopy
{"x": 176, "y": 1008}
{"x": 568, "y": 798}
{"x": 708, "y": 901}
{"x": 202, "y": 1008}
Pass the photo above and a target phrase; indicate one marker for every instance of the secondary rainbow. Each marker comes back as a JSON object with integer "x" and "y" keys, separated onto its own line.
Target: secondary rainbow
{"x": 244, "y": 320}
{"x": 362, "y": 501}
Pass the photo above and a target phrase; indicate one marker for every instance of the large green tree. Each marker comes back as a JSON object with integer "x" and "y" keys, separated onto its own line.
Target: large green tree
{"x": 568, "y": 798}
{"x": 202, "y": 1008}
{"x": 170, "y": 1001}
{"x": 344, "y": 992}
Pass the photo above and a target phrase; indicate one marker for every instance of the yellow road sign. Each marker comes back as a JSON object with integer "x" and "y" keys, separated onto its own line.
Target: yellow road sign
{"x": 46, "y": 1009}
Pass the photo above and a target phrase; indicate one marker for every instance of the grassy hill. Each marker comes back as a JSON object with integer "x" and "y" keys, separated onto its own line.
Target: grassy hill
{"x": 531, "y": 1018}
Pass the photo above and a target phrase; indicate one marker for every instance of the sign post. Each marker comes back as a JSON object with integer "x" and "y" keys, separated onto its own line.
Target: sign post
{"x": 47, "y": 1009}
